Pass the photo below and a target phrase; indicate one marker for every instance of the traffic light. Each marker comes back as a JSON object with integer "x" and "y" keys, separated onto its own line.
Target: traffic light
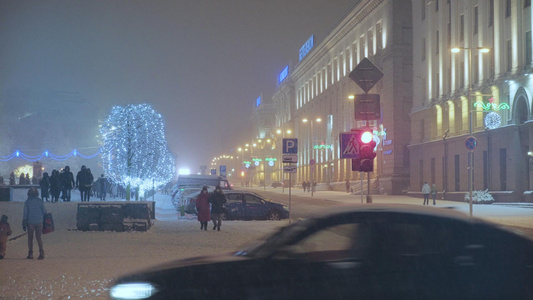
{"x": 366, "y": 152}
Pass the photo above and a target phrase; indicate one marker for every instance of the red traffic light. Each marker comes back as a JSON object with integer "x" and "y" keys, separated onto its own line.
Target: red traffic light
{"x": 366, "y": 152}
{"x": 367, "y": 137}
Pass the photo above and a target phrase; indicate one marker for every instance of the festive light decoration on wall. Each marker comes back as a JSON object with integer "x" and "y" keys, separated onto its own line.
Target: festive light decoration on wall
{"x": 322, "y": 147}
{"x": 491, "y": 105}
{"x": 135, "y": 151}
{"x": 46, "y": 154}
{"x": 493, "y": 120}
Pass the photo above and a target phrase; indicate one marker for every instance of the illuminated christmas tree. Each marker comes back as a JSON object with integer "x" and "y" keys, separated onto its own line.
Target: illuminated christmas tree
{"x": 134, "y": 151}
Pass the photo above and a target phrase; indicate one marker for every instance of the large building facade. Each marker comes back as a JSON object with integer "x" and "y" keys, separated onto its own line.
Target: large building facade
{"x": 314, "y": 100}
{"x": 432, "y": 99}
{"x": 472, "y": 92}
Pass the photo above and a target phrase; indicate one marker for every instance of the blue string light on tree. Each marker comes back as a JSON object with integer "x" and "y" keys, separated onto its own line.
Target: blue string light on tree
{"x": 135, "y": 151}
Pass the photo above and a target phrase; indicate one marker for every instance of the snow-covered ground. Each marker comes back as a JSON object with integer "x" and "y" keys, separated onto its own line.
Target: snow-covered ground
{"x": 82, "y": 264}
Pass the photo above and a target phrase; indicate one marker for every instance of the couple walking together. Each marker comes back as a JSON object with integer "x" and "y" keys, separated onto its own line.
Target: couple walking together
{"x": 217, "y": 200}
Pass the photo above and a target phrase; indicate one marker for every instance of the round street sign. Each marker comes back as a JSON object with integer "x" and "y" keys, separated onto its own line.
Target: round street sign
{"x": 471, "y": 143}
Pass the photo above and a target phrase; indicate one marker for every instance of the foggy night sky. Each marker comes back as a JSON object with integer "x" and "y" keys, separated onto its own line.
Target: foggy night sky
{"x": 200, "y": 63}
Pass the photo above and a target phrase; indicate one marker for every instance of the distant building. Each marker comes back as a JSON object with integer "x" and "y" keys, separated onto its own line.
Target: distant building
{"x": 319, "y": 86}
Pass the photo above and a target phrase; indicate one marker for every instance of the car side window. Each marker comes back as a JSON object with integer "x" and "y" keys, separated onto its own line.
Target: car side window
{"x": 331, "y": 243}
{"x": 415, "y": 237}
{"x": 233, "y": 198}
{"x": 251, "y": 199}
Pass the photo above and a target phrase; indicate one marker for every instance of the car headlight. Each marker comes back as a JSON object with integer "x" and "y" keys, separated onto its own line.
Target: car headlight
{"x": 132, "y": 290}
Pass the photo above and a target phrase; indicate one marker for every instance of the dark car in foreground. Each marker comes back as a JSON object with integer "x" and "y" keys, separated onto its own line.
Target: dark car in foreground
{"x": 245, "y": 205}
{"x": 367, "y": 252}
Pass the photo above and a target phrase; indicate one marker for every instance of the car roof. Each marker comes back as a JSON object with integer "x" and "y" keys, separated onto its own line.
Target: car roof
{"x": 444, "y": 212}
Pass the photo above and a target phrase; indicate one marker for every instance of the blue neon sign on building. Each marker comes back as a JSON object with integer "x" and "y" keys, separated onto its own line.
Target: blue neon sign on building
{"x": 283, "y": 74}
{"x": 307, "y": 47}
{"x": 258, "y": 101}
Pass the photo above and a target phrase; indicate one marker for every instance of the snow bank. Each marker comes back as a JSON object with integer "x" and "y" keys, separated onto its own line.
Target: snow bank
{"x": 82, "y": 264}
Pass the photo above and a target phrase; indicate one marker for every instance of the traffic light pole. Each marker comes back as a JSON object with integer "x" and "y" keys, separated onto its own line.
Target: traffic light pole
{"x": 361, "y": 176}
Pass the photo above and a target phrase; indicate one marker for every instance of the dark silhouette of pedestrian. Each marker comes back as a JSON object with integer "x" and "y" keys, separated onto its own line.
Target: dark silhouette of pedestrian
{"x": 12, "y": 178}
{"x": 433, "y": 193}
{"x": 347, "y": 186}
{"x": 217, "y": 200}
{"x": 5, "y": 231}
{"x": 82, "y": 179}
{"x": 89, "y": 181}
{"x": 102, "y": 187}
{"x": 54, "y": 186}
{"x": 28, "y": 179}
{"x": 45, "y": 186}
{"x": 22, "y": 179}
{"x": 67, "y": 183}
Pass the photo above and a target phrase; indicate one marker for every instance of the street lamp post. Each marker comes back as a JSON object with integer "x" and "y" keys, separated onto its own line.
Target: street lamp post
{"x": 311, "y": 121}
{"x": 470, "y": 93}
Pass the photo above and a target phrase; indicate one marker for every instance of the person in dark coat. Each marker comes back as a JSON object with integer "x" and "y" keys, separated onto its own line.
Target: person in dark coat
{"x": 89, "y": 181}
{"x": 12, "y": 178}
{"x": 217, "y": 200}
{"x": 202, "y": 206}
{"x": 45, "y": 185}
{"x": 102, "y": 187}
{"x": 22, "y": 179}
{"x": 54, "y": 186}
{"x": 28, "y": 178}
{"x": 67, "y": 183}
{"x": 5, "y": 231}
{"x": 32, "y": 220}
{"x": 81, "y": 180}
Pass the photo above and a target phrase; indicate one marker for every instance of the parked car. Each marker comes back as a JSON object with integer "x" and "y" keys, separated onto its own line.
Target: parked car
{"x": 245, "y": 205}
{"x": 276, "y": 184}
{"x": 371, "y": 251}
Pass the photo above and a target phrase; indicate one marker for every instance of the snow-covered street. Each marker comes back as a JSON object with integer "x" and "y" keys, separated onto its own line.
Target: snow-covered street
{"x": 82, "y": 264}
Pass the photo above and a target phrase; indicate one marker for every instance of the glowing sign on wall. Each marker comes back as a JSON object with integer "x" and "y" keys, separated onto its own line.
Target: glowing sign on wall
{"x": 322, "y": 147}
{"x": 307, "y": 47}
{"x": 491, "y": 105}
{"x": 283, "y": 74}
{"x": 258, "y": 101}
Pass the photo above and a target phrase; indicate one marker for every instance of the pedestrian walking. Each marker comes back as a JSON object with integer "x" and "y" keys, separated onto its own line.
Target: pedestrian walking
{"x": 12, "y": 178}
{"x": 22, "y": 179}
{"x": 5, "y": 231}
{"x": 102, "y": 187}
{"x": 217, "y": 200}
{"x": 45, "y": 186}
{"x": 54, "y": 186}
{"x": 347, "y": 186}
{"x": 433, "y": 193}
{"x": 28, "y": 178}
{"x": 425, "y": 191}
{"x": 32, "y": 220}
{"x": 66, "y": 183}
{"x": 202, "y": 206}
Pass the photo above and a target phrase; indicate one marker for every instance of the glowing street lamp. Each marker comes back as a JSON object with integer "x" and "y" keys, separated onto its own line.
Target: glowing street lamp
{"x": 470, "y": 94}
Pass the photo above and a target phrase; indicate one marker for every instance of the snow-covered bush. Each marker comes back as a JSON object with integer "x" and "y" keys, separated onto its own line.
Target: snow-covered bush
{"x": 480, "y": 196}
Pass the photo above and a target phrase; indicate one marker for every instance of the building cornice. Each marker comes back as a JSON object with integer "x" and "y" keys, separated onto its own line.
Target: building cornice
{"x": 354, "y": 18}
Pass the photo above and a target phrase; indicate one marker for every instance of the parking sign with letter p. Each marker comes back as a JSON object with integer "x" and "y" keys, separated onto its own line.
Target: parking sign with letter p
{"x": 290, "y": 146}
